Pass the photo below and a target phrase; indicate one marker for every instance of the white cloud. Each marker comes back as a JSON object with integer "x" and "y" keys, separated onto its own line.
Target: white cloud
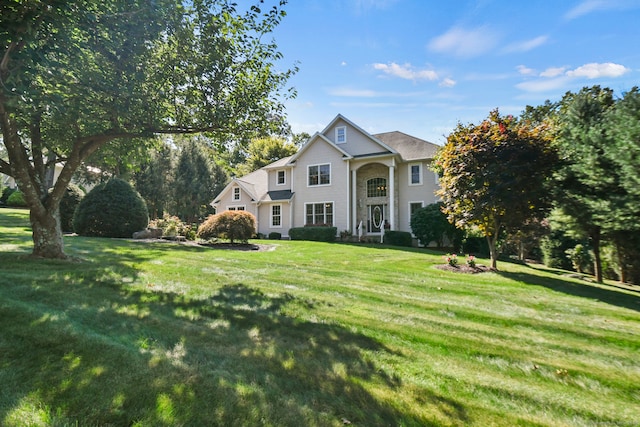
{"x": 554, "y": 78}
{"x": 589, "y": 6}
{"x": 406, "y": 71}
{"x": 464, "y": 42}
{"x": 526, "y": 45}
{"x": 447, "y": 82}
{"x": 525, "y": 71}
{"x": 595, "y": 70}
{"x": 552, "y": 72}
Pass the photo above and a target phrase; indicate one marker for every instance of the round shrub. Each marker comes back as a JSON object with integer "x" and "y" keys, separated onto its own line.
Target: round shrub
{"x": 16, "y": 200}
{"x": 6, "y": 192}
{"x": 111, "y": 209}
{"x": 70, "y": 201}
{"x": 232, "y": 225}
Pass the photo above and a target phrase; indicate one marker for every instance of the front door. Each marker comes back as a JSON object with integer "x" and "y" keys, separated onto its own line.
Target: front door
{"x": 376, "y": 218}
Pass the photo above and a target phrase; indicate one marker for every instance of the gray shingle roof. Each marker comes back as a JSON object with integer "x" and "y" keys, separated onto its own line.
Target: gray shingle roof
{"x": 409, "y": 147}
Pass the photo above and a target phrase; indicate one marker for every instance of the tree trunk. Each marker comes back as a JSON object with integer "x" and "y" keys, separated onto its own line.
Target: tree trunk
{"x": 597, "y": 262}
{"x": 47, "y": 235}
{"x": 493, "y": 252}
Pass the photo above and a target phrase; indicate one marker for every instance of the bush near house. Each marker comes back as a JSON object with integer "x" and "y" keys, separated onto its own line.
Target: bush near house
{"x": 16, "y": 200}
{"x": 111, "y": 209}
{"x": 232, "y": 225}
{"x": 6, "y": 192}
{"x": 398, "y": 238}
{"x": 275, "y": 235}
{"x": 314, "y": 233}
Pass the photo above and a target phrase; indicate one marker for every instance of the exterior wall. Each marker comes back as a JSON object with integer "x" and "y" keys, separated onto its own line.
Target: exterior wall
{"x": 273, "y": 179}
{"x": 264, "y": 225}
{"x": 424, "y": 192}
{"x": 245, "y": 201}
{"x": 357, "y": 143}
{"x": 337, "y": 191}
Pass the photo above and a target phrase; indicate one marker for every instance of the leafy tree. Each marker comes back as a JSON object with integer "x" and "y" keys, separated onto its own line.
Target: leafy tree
{"x": 154, "y": 180}
{"x": 76, "y": 76}
{"x": 587, "y": 181}
{"x": 111, "y": 209}
{"x": 493, "y": 176}
{"x": 197, "y": 181}
{"x": 263, "y": 151}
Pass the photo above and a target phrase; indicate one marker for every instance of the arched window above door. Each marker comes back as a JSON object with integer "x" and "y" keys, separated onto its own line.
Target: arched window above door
{"x": 377, "y": 187}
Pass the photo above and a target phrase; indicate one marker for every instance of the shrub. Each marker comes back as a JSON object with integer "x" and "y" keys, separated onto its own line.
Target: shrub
{"x": 111, "y": 209}
{"x": 16, "y": 199}
{"x": 173, "y": 226}
{"x": 476, "y": 245}
{"x": 232, "y": 225}
{"x": 275, "y": 235}
{"x": 398, "y": 238}
{"x": 6, "y": 192}
{"x": 314, "y": 233}
{"x": 70, "y": 201}
{"x": 430, "y": 224}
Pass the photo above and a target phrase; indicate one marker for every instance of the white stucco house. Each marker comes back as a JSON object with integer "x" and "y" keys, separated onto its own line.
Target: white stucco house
{"x": 342, "y": 177}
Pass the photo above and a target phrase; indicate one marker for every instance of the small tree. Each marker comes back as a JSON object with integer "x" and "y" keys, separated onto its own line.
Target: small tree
{"x": 111, "y": 209}
{"x": 492, "y": 176}
{"x": 232, "y": 225}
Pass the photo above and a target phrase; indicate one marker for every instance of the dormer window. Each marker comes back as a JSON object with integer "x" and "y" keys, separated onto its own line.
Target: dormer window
{"x": 341, "y": 134}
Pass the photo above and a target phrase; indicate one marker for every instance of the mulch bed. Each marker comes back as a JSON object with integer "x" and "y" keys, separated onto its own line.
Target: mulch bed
{"x": 479, "y": 268}
{"x": 223, "y": 245}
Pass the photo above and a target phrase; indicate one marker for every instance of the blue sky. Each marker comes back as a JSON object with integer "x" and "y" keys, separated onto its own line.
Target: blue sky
{"x": 422, "y": 66}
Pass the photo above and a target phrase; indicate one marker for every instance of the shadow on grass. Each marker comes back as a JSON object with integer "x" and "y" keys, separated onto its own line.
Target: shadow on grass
{"x": 88, "y": 348}
{"x": 621, "y": 298}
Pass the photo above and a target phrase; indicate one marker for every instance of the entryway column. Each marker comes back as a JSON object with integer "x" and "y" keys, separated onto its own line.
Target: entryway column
{"x": 392, "y": 197}
{"x": 354, "y": 202}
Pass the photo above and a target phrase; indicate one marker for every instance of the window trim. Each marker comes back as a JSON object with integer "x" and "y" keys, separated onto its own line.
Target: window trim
{"x": 319, "y": 184}
{"x": 237, "y": 208}
{"x": 272, "y": 216}
{"x": 236, "y": 192}
{"x": 284, "y": 177}
{"x": 338, "y": 129}
{"x": 324, "y": 212}
{"x": 414, "y": 202}
{"x": 420, "y": 181}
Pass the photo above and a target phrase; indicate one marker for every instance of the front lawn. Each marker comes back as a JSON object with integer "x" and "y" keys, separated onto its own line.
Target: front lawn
{"x": 306, "y": 334}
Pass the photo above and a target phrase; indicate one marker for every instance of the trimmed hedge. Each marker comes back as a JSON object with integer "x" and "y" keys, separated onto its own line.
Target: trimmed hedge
{"x": 316, "y": 234}
{"x": 16, "y": 200}
{"x": 111, "y": 209}
{"x": 274, "y": 235}
{"x": 398, "y": 238}
{"x": 70, "y": 201}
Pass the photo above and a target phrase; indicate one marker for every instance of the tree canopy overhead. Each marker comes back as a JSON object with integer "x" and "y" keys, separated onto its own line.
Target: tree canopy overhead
{"x": 75, "y": 76}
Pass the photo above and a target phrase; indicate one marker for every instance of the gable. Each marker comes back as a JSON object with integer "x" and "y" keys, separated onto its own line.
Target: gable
{"x": 355, "y": 140}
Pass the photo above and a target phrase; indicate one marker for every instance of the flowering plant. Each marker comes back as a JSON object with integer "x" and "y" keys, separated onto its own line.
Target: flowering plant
{"x": 471, "y": 261}
{"x": 452, "y": 259}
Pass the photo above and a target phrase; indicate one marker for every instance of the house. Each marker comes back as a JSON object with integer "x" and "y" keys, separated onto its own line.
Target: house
{"x": 343, "y": 177}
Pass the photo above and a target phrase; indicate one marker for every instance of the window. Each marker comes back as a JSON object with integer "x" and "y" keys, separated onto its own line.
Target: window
{"x": 319, "y": 175}
{"x": 413, "y": 207}
{"x": 235, "y": 208}
{"x": 281, "y": 180}
{"x": 276, "y": 216}
{"x": 319, "y": 213}
{"x": 415, "y": 174}
{"x": 341, "y": 135}
{"x": 236, "y": 193}
{"x": 377, "y": 187}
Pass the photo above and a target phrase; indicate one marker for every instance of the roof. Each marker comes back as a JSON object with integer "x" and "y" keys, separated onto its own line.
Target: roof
{"x": 409, "y": 147}
{"x": 280, "y": 195}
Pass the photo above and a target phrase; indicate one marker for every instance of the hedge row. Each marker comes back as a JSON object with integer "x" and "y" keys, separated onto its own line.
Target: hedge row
{"x": 317, "y": 234}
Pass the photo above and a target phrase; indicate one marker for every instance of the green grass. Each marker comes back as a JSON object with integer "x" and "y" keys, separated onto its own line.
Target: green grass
{"x": 313, "y": 334}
